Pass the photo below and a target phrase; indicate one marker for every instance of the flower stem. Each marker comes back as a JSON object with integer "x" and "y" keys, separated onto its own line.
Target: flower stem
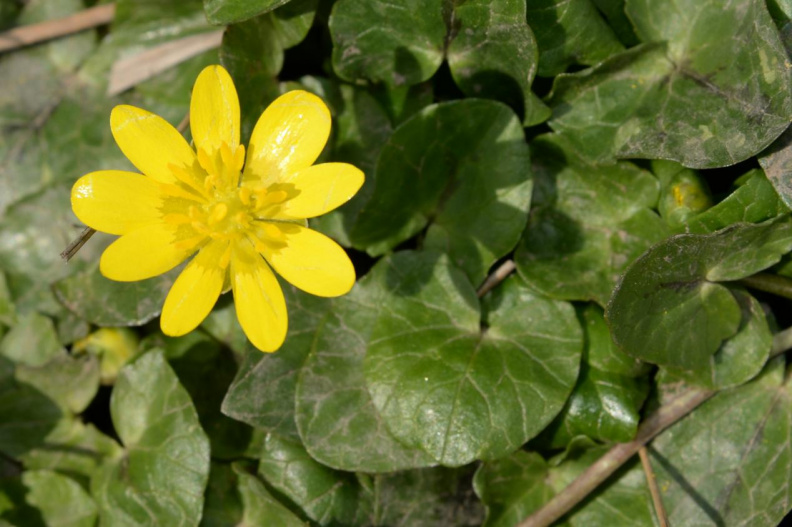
{"x": 770, "y": 283}
{"x": 651, "y": 481}
{"x": 76, "y": 244}
{"x": 496, "y": 277}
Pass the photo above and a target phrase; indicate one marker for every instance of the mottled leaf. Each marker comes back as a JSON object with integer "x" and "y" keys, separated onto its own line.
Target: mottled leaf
{"x": 230, "y": 11}
{"x": 588, "y": 222}
{"x": 460, "y": 168}
{"x": 699, "y": 96}
{"x": 45, "y": 498}
{"x": 161, "y": 479}
{"x": 670, "y": 309}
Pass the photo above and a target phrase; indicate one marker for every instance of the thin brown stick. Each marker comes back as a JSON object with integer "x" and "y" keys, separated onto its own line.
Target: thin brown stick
{"x": 182, "y": 126}
{"x": 651, "y": 481}
{"x": 598, "y": 472}
{"x": 34, "y": 33}
{"x": 497, "y": 276}
{"x": 76, "y": 244}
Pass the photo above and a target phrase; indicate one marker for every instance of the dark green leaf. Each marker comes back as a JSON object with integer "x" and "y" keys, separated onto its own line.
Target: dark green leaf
{"x": 669, "y": 308}
{"x": 46, "y": 498}
{"x": 493, "y": 54}
{"x": 459, "y": 393}
{"x": 229, "y": 11}
{"x": 777, "y": 164}
{"x": 105, "y": 302}
{"x": 462, "y": 169}
{"x": 262, "y": 394}
{"x": 395, "y": 43}
{"x": 588, "y": 222}
{"x": 570, "y": 32}
{"x": 161, "y": 479}
{"x": 699, "y": 96}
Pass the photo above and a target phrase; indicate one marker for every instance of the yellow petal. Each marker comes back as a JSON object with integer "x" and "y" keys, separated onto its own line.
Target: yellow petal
{"x": 310, "y": 261}
{"x": 214, "y": 110}
{"x": 288, "y": 136}
{"x": 116, "y": 202}
{"x": 146, "y": 252}
{"x": 260, "y": 306}
{"x": 195, "y": 292}
{"x": 322, "y": 188}
{"x": 150, "y": 142}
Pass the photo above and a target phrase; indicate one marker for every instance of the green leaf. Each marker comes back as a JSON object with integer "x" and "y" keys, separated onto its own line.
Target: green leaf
{"x": 262, "y": 393}
{"x": 513, "y": 487}
{"x": 406, "y": 50}
{"x": 206, "y": 370}
{"x": 113, "y": 347}
{"x": 703, "y": 97}
{"x": 235, "y": 497}
{"x": 459, "y": 393}
{"x": 32, "y": 341}
{"x": 462, "y": 169}
{"x": 46, "y": 498}
{"x": 72, "y": 382}
{"x": 73, "y": 448}
{"x": 105, "y": 302}
{"x": 325, "y": 495}
{"x": 588, "y": 222}
{"x": 570, "y": 32}
{"x": 669, "y": 308}
{"x": 26, "y": 414}
{"x": 741, "y": 357}
{"x": 753, "y": 201}
{"x": 161, "y": 479}
{"x": 777, "y": 164}
{"x": 493, "y": 54}
{"x": 222, "y": 12}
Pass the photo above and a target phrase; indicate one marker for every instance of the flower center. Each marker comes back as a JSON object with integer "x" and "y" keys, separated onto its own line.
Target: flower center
{"x": 220, "y": 208}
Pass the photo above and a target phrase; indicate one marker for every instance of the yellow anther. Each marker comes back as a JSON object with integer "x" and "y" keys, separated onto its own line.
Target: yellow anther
{"x": 193, "y": 212}
{"x": 242, "y": 218}
{"x": 219, "y": 212}
{"x": 200, "y": 227}
{"x": 679, "y": 198}
{"x": 279, "y": 196}
{"x": 226, "y": 258}
{"x": 239, "y": 157}
{"x": 244, "y": 195}
{"x": 206, "y": 162}
{"x": 189, "y": 243}
{"x": 210, "y": 182}
{"x": 226, "y": 155}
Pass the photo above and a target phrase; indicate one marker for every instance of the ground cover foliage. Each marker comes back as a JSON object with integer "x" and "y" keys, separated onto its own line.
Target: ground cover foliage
{"x": 629, "y": 156}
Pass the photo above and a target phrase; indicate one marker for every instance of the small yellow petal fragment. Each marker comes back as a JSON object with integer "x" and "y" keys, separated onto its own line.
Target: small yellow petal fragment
{"x": 219, "y": 212}
{"x": 239, "y": 157}
{"x": 244, "y": 195}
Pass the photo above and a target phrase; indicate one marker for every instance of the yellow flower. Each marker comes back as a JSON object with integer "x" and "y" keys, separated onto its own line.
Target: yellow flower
{"x": 244, "y": 215}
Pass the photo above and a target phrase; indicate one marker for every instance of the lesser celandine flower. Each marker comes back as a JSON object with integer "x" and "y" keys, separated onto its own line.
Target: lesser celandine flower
{"x": 241, "y": 214}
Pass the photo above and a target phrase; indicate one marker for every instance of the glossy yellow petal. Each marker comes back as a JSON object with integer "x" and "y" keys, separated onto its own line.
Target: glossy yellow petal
{"x": 150, "y": 142}
{"x": 195, "y": 292}
{"x": 310, "y": 261}
{"x": 288, "y": 136}
{"x": 322, "y": 188}
{"x": 116, "y": 202}
{"x": 146, "y": 252}
{"x": 214, "y": 110}
{"x": 260, "y": 306}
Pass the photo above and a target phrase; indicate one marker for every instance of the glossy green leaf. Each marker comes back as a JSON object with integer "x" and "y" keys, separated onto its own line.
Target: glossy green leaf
{"x": 26, "y": 414}
{"x": 741, "y": 357}
{"x": 460, "y": 168}
{"x": 73, "y": 448}
{"x": 570, "y": 32}
{"x": 161, "y": 479}
{"x": 45, "y": 498}
{"x": 777, "y": 164}
{"x": 395, "y": 43}
{"x": 670, "y": 309}
{"x": 753, "y": 201}
{"x": 262, "y": 393}
{"x": 493, "y": 54}
{"x": 699, "y": 96}
{"x": 105, "y": 302}
{"x": 459, "y": 393}
{"x": 325, "y": 495}
{"x": 588, "y": 222}
{"x": 32, "y": 341}
{"x": 230, "y": 11}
